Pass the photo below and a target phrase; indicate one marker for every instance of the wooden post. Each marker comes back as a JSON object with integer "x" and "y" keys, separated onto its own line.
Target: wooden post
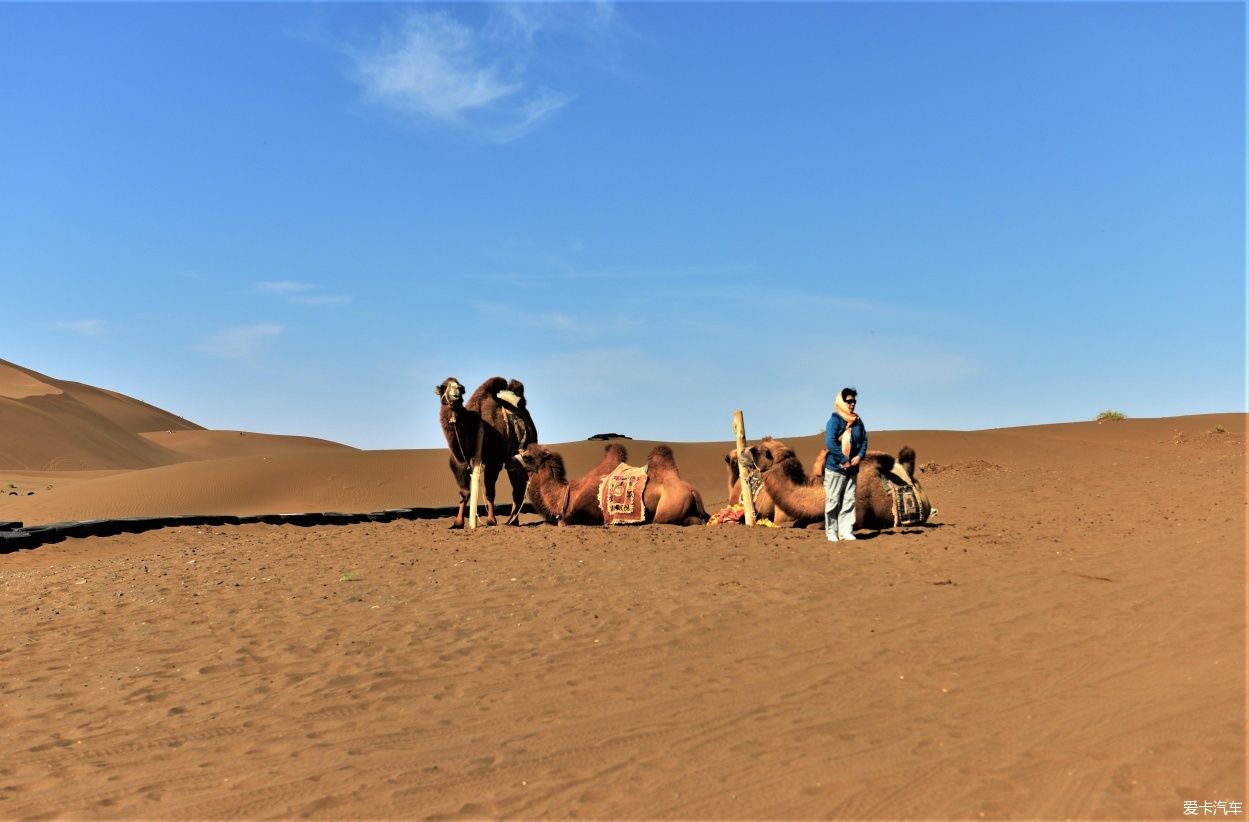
{"x": 743, "y": 467}
{"x": 475, "y": 477}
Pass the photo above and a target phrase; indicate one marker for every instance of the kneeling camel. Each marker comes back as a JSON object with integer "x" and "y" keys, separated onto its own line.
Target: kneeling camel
{"x": 801, "y": 497}
{"x": 669, "y": 499}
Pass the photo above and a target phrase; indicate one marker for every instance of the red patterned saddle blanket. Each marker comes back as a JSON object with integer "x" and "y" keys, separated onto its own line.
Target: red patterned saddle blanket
{"x": 910, "y": 503}
{"x": 620, "y": 496}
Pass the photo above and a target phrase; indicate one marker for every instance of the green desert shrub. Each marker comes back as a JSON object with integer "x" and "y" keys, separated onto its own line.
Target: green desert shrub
{"x": 1111, "y": 415}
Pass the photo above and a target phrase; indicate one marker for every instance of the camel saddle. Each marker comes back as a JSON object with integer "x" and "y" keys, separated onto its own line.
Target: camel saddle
{"x": 509, "y": 403}
{"x": 620, "y": 496}
{"x": 910, "y": 504}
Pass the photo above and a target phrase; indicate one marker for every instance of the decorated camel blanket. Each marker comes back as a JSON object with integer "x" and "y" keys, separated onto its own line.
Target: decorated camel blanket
{"x": 620, "y": 496}
{"x": 909, "y": 503}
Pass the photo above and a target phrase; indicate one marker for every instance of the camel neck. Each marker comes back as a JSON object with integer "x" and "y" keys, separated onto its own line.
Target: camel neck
{"x": 457, "y": 434}
{"x": 553, "y": 494}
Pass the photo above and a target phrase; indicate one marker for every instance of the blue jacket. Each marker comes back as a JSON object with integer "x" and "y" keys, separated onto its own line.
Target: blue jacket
{"x": 832, "y": 441}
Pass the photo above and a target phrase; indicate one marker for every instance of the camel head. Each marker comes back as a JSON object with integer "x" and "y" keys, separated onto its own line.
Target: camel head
{"x": 534, "y": 456}
{"x": 771, "y": 452}
{"x": 540, "y": 460}
{"x": 764, "y": 455}
{"x": 789, "y": 466}
{"x": 451, "y": 390}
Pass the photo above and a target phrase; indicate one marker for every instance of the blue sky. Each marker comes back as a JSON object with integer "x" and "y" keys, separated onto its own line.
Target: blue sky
{"x": 299, "y": 218}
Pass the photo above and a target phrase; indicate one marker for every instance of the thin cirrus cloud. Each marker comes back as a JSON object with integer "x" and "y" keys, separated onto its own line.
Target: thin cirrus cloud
{"x": 283, "y": 287}
{"x": 320, "y": 299}
{"x": 242, "y": 342}
{"x": 87, "y": 328}
{"x": 300, "y": 293}
{"x": 435, "y": 69}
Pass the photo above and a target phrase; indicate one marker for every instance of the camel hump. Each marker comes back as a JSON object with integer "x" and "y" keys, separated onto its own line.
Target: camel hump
{"x": 882, "y": 461}
{"x": 619, "y": 451}
{"x": 906, "y": 458}
{"x": 513, "y": 393}
{"x": 489, "y": 388}
{"x": 661, "y": 459}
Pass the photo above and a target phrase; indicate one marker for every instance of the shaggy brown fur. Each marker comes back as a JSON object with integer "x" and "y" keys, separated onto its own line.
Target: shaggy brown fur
{"x": 508, "y": 428}
{"x": 768, "y": 452}
{"x": 669, "y": 499}
{"x": 802, "y": 499}
{"x": 759, "y": 454}
{"x": 554, "y": 497}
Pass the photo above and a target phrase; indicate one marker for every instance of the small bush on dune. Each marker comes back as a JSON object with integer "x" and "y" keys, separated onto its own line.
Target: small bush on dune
{"x": 1111, "y": 415}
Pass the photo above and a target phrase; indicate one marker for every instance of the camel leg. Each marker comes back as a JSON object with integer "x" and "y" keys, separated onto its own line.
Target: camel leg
{"x": 459, "y": 514}
{"x": 669, "y": 511}
{"x": 519, "y": 478}
{"x": 492, "y": 477}
{"x": 700, "y": 511}
{"x": 461, "y": 479}
{"x": 783, "y": 520}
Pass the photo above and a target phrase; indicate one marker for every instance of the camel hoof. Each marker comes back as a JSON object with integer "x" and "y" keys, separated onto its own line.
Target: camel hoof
{"x": 455, "y": 526}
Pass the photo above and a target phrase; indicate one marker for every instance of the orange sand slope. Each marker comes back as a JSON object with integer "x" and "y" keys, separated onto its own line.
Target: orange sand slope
{"x": 215, "y": 445}
{"x": 51, "y": 424}
{"x": 1066, "y": 641}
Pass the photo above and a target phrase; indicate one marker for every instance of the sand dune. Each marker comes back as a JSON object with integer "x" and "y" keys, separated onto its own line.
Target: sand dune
{"x": 201, "y": 444}
{"x": 229, "y": 473}
{"x": 1065, "y": 640}
{"x": 48, "y": 425}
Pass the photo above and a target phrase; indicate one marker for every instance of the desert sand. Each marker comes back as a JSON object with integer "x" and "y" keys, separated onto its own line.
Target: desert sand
{"x": 1066, "y": 638}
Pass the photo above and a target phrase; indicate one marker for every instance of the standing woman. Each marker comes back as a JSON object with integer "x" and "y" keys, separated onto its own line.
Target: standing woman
{"x": 846, "y": 441}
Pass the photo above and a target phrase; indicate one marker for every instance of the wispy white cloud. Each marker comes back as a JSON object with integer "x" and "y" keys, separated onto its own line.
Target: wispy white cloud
{"x": 556, "y": 267}
{"x": 321, "y": 299}
{"x": 87, "y": 328}
{"x": 241, "y": 342}
{"x": 433, "y": 68}
{"x": 299, "y": 293}
{"x": 283, "y": 286}
{"x": 576, "y": 328}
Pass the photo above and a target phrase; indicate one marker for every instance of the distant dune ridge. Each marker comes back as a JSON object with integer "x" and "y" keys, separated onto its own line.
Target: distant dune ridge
{"x": 79, "y": 452}
{"x": 48, "y": 424}
{"x": 55, "y": 425}
{"x": 1066, "y": 639}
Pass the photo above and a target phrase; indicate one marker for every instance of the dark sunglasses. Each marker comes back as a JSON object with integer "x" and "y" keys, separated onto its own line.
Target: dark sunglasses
{"x": 851, "y": 401}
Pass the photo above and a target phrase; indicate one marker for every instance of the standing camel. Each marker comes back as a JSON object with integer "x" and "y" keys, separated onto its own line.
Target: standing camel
{"x": 496, "y": 419}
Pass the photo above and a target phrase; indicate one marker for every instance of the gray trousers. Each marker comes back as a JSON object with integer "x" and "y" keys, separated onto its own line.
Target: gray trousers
{"x": 839, "y": 491}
